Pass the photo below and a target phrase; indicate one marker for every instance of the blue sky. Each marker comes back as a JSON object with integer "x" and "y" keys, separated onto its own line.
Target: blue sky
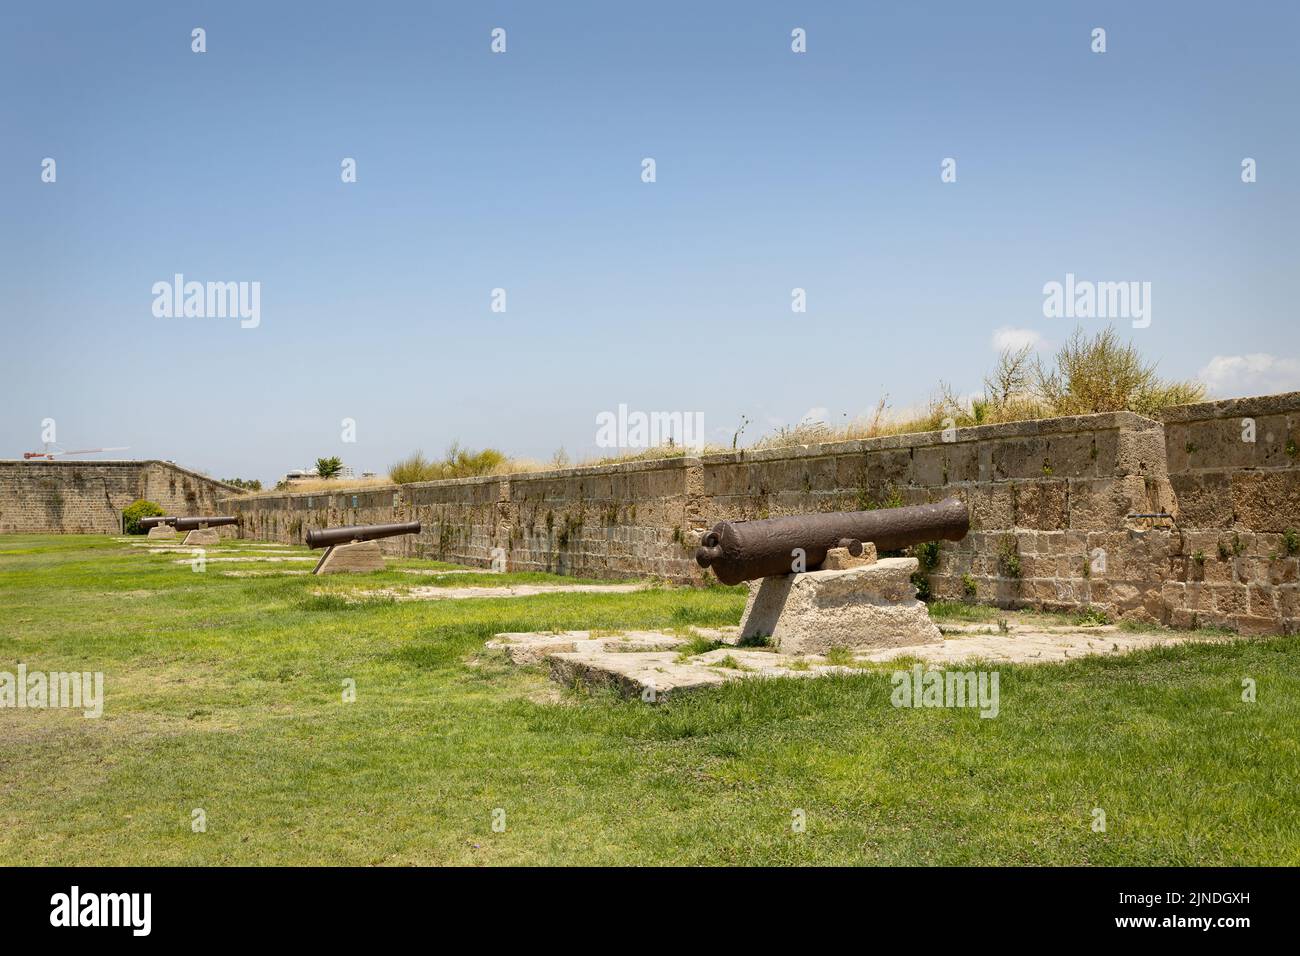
{"x": 522, "y": 171}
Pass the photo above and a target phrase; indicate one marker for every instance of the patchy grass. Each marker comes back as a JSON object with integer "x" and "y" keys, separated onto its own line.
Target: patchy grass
{"x": 697, "y": 645}
{"x": 963, "y": 611}
{"x": 226, "y": 694}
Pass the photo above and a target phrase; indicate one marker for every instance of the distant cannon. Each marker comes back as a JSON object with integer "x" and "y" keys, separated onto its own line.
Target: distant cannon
{"x": 159, "y": 526}
{"x": 746, "y": 550}
{"x": 329, "y": 537}
{"x": 353, "y": 547}
{"x": 202, "y": 528}
{"x": 189, "y": 524}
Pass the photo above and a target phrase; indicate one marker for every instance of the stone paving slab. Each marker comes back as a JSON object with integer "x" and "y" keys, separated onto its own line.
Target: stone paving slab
{"x": 526, "y": 648}
{"x": 434, "y": 572}
{"x": 230, "y": 544}
{"x": 637, "y": 663}
{"x": 260, "y": 574}
{"x": 658, "y": 674}
{"x": 504, "y": 591}
{"x": 217, "y": 551}
{"x": 1032, "y": 647}
{"x": 211, "y": 559}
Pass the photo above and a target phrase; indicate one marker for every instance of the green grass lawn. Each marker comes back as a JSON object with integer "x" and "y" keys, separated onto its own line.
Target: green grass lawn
{"x": 226, "y": 694}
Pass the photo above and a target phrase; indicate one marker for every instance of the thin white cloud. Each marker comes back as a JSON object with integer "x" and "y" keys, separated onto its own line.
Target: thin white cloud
{"x": 817, "y": 414}
{"x": 1255, "y": 374}
{"x": 1005, "y": 337}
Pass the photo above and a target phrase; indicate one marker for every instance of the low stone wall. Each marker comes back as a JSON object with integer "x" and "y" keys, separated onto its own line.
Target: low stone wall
{"x": 1043, "y": 496}
{"x": 610, "y": 521}
{"x": 1056, "y": 510}
{"x": 87, "y": 497}
{"x": 1235, "y": 470}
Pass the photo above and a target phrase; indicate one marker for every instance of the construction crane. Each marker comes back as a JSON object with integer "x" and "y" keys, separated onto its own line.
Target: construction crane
{"x": 53, "y": 451}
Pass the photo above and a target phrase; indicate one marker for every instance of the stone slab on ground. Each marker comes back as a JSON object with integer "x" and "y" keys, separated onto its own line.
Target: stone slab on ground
{"x": 1033, "y": 647}
{"x": 531, "y": 648}
{"x": 659, "y": 674}
{"x": 587, "y": 658}
{"x": 219, "y": 558}
{"x": 231, "y": 544}
{"x": 434, "y": 572}
{"x": 260, "y": 574}
{"x": 872, "y": 605}
{"x": 181, "y": 549}
{"x": 503, "y": 591}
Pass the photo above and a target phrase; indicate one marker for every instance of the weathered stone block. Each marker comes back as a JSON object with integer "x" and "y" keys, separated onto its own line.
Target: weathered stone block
{"x": 1267, "y": 501}
{"x": 201, "y": 536}
{"x": 358, "y": 557}
{"x": 810, "y": 613}
{"x": 1041, "y": 504}
{"x": 1141, "y": 452}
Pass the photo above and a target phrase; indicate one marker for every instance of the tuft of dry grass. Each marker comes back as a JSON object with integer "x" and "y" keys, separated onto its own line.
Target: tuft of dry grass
{"x": 1088, "y": 375}
{"x": 456, "y": 462}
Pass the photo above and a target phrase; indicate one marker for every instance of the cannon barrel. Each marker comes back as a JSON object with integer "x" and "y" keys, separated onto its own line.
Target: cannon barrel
{"x": 328, "y": 537}
{"x": 211, "y": 521}
{"x": 155, "y": 520}
{"x": 744, "y": 550}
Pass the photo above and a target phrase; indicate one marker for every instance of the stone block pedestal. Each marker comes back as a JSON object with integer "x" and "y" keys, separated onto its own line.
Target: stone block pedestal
{"x": 870, "y": 606}
{"x": 201, "y": 536}
{"x": 162, "y": 532}
{"x": 352, "y": 558}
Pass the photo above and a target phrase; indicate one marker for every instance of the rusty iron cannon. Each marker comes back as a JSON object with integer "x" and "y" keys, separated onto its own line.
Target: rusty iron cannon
{"x": 353, "y": 548}
{"x": 156, "y": 521}
{"x": 202, "y": 529}
{"x": 747, "y": 550}
{"x": 329, "y": 537}
{"x": 202, "y": 521}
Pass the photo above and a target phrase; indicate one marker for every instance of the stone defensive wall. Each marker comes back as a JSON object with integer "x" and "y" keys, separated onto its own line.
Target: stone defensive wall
{"x": 1057, "y": 510}
{"x": 87, "y": 497}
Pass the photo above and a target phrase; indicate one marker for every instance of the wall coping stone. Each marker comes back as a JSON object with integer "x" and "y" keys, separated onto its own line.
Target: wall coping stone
{"x": 120, "y": 463}
{"x": 1250, "y": 407}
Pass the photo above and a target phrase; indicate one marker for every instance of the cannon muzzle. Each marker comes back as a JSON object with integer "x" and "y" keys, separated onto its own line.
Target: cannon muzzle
{"x": 156, "y": 520}
{"x": 211, "y": 521}
{"x": 745, "y": 550}
{"x": 329, "y": 537}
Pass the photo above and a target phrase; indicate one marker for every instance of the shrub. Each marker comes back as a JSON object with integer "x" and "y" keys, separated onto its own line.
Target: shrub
{"x": 1102, "y": 374}
{"x": 140, "y": 508}
{"x": 457, "y": 462}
